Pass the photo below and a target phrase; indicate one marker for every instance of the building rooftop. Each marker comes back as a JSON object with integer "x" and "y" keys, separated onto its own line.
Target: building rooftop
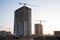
{"x": 21, "y": 8}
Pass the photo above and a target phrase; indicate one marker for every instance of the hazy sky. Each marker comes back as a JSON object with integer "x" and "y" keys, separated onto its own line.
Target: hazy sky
{"x": 49, "y": 11}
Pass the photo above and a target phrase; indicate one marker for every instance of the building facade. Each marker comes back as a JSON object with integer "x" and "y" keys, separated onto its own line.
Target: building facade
{"x": 38, "y": 30}
{"x": 22, "y": 21}
{"x": 57, "y": 33}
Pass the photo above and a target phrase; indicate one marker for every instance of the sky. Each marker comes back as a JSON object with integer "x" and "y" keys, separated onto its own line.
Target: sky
{"x": 49, "y": 11}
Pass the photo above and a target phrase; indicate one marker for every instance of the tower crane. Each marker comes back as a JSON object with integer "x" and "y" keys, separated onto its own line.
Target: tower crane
{"x": 28, "y": 4}
{"x": 41, "y": 21}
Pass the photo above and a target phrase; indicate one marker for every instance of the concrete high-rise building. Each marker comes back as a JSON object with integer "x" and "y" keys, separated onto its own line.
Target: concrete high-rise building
{"x": 22, "y": 21}
{"x": 38, "y": 30}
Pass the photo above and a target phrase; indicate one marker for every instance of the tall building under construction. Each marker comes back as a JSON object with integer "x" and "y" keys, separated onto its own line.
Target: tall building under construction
{"x": 22, "y": 21}
{"x": 38, "y": 30}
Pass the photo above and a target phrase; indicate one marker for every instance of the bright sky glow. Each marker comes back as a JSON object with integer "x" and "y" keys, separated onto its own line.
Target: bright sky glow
{"x": 49, "y": 11}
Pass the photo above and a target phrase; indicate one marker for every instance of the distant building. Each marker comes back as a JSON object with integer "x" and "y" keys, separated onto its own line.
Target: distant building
{"x": 38, "y": 30}
{"x": 22, "y": 21}
{"x": 57, "y": 33}
{"x": 4, "y": 33}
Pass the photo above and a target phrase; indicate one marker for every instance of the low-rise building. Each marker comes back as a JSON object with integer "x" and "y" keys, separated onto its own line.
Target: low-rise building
{"x": 57, "y": 33}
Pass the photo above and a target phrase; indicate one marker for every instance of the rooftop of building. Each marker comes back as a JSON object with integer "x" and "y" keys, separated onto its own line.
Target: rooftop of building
{"x": 23, "y": 7}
